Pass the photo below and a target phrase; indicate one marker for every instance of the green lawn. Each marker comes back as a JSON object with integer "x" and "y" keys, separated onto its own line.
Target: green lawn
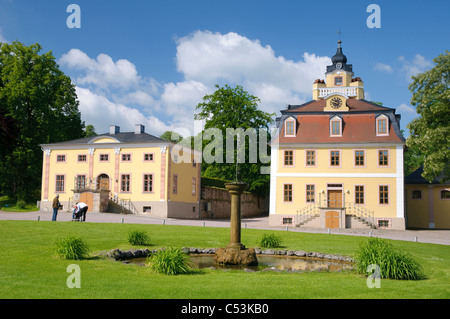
{"x": 10, "y": 205}
{"x": 29, "y": 268}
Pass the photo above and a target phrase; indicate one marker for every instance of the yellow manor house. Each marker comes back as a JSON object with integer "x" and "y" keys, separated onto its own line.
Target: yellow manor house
{"x": 337, "y": 161}
{"x": 132, "y": 172}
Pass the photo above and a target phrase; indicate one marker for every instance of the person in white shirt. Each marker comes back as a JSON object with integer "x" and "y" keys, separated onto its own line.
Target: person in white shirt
{"x": 80, "y": 210}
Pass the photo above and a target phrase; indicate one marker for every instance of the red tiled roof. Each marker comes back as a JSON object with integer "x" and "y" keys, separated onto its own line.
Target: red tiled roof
{"x": 356, "y": 128}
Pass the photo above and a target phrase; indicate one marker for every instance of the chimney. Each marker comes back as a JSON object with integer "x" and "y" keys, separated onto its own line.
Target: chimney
{"x": 113, "y": 129}
{"x": 139, "y": 129}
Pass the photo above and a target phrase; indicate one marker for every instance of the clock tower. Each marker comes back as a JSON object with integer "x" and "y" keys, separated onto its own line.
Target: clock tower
{"x": 339, "y": 85}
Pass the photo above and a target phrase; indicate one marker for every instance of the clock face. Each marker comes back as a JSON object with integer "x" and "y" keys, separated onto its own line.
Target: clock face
{"x": 338, "y": 65}
{"x": 336, "y": 103}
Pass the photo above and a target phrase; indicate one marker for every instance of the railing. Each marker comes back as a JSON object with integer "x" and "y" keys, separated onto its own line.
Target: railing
{"x": 361, "y": 212}
{"x": 84, "y": 184}
{"x": 349, "y": 91}
{"x": 306, "y": 212}
{"x": 126, "y": 205}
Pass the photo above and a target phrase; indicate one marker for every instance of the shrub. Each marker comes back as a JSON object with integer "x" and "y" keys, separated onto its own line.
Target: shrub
{"x": 393, "y": 264}
{"x": 138, "y": 237}
{"x": 21, "y": 204}
{"x": 170, "y": 261}
{"x": 71, "y": 247}
{"x": 270, "y": 241}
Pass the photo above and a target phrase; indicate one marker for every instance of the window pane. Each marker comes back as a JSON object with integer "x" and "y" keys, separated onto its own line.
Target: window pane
{"x": 310, "y": 193}
{"x": 359, "y": 158}
{"x": 125, "y": 183}
{"x": 334, "y": 158}
{"x": 384, "y": 194}
{"x": 148, "y": 183}
{"x": 335, "y": 128}
{"x": 288, "y": 192}
{"x": 359, "y": 194}
{"x": 310, "y": 158}
{"x": 383, "y": 158}
{"x": 288, "y": 158}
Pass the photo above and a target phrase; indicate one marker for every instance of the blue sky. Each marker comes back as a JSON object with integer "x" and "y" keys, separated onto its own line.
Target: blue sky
{"x": 151, "y": 62}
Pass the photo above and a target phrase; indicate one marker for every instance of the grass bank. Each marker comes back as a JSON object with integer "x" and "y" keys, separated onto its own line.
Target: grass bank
{"x": 29, "y": 268}
{"x": 10, "y": 205}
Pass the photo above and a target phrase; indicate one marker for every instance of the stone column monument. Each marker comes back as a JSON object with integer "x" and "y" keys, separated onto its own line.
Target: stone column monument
{"x": 235, "y": 189}
{"x": 235, "y": 253}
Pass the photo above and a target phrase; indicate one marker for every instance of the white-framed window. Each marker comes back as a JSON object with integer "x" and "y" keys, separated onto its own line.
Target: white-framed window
{"x": 289, "y": 127}
{"x": 336, "y": 126}
{"x": 382, "y": 125}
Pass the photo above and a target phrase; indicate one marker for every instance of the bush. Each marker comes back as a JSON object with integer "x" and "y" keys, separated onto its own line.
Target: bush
{"x": 270, "y": 241}
{"x": 393, "y": 264}
{"x": 71, "y": 247}
{"x": 21, "y": 204}
{"x": 170, "y": 261}
{"x": 138, "y": 237}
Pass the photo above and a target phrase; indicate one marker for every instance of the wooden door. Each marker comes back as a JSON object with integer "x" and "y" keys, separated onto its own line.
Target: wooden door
{"x": 332, "y": 219}
{"x": 335, "y": 198}
{"x": 88, "y": 199}
{"x": 103, "y": 182}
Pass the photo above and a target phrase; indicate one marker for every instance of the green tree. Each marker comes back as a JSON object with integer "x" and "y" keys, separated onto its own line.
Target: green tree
{"x": 38, "y": 105}
{"x": 234, "y": 108}
{"x": 430, "y": 132}
{"x": 171, "y": 136}
{"x": 89, "y": 131}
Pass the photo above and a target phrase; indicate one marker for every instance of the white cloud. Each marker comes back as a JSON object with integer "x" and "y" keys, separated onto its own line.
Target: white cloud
{"x": 383, "y": 67}
{"x": 213, "y": 57}
{"x": 406, "y": 110}
{"x": 113, "y": 92}
{"x": 418, "y": 65}
{"x": 101, "y": 112}
{"x": 102, "y": 72}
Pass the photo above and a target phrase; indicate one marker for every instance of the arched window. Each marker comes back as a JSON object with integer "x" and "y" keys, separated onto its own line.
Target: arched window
{"x": 336, "y": 126}
{"x": 289, "y": 127}
{"x": 382, "y": 125}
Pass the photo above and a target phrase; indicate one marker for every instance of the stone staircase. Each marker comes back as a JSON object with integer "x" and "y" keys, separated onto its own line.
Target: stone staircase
{"x": 309, "y": 221}
{"x": 120, "y": 206}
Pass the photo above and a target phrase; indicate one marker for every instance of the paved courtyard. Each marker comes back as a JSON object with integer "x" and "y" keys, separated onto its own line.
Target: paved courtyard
{"x": 422, "y": 236}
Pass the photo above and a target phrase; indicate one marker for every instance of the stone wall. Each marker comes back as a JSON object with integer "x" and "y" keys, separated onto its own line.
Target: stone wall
{"x": 215, "y": 203}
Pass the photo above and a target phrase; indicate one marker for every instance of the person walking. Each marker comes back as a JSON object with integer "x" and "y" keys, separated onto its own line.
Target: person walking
{"x": 56, "y": 204}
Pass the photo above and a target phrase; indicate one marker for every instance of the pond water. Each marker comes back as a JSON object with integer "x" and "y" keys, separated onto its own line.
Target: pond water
{"x": 264, "y": 261}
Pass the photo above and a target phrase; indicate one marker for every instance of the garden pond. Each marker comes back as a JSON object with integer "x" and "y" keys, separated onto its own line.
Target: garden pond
{"x": 265, "y": 262}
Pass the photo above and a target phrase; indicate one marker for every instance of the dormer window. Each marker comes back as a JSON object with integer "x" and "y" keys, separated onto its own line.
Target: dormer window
{"x": 336, "y": 126}
{"x": 382, "y": 125}
{"x": 338, "y": 81}
{"x": 289, "y": 127}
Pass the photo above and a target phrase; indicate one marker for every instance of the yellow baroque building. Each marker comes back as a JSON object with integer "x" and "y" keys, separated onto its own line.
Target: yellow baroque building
{"x": 427, "y": 203}
{"x": 132, "y": 172}
{"x": 337, "y": 160}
